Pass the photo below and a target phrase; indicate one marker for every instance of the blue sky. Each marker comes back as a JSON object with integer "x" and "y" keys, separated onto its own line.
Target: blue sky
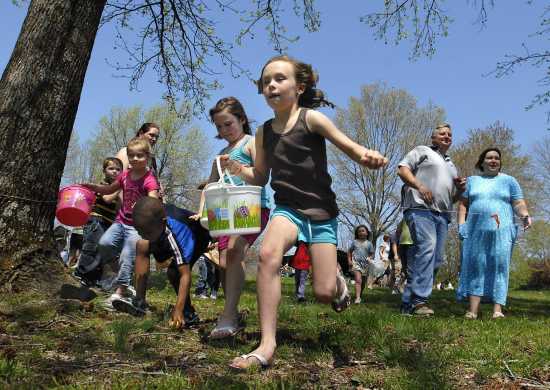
{"x": 346, "y": 57}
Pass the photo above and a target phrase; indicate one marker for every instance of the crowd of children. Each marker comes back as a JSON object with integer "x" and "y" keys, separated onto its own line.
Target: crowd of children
{"x": 130, "y": 222}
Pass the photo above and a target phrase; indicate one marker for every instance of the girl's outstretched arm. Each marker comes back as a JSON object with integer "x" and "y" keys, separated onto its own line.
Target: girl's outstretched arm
{"x": 111, "y": 197}
{"x": 103, "y": 189}
{"x": 319, "y": 123}
{"x": 256, "y": 175}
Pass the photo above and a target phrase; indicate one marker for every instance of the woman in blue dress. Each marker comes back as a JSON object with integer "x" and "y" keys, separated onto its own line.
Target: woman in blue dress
{"x": 486, "y": 226}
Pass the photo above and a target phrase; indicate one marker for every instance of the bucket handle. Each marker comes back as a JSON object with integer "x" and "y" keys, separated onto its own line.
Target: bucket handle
{"x": 221, "y": 173}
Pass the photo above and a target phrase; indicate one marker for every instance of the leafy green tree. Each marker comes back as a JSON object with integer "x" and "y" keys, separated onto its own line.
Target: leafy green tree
{"x": 77, "y": 163}
{"x": 541, "y": 165}
{"x": 514, "y": 162}
{"x": 532, "y": 265}
{"x": 388, "y": 120}
{"x": 537, "y": 245}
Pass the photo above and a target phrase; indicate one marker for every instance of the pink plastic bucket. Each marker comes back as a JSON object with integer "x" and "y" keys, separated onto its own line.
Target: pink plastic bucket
{"x": 74, "y": 205}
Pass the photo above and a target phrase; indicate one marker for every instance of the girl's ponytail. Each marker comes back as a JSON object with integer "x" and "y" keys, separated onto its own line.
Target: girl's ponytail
{"x": 305, "y": 75}
{"x": 313, "y": 98}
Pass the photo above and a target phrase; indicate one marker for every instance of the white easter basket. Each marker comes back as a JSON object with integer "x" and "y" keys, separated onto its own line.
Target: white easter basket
{"x": 232, "y": 209}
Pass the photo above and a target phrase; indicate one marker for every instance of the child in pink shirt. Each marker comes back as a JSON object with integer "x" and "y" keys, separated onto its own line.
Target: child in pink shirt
{"x": 120, "y": 239}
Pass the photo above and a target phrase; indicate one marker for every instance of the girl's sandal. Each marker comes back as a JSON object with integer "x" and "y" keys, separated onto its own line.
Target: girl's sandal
{"x": 343, "y": 301}
{"x": 470, "y": 315}
{"x": 497, "y": 315}
{"x": 225, "y": 331}
{"x": 243, "y": 363}
{"x": 341, "y": 304}
{"x": 222, "y": 332}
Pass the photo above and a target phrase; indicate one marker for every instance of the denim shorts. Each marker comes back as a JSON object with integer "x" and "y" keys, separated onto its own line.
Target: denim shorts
{"x": 310, "y": 231}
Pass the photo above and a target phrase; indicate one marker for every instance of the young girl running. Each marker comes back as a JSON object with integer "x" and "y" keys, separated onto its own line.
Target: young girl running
{"x": 232, "y": 124}
{"x": 291, "y": 147}
{"x": 121, "y": 237}
{"x": 359, "y": 253}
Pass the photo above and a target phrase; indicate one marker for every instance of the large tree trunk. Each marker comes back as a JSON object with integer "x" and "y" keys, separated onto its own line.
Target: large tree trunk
{"x": 39, "y": 95}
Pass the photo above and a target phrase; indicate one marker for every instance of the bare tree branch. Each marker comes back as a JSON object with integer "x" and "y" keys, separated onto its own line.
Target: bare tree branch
{"x": 179, "y": 39}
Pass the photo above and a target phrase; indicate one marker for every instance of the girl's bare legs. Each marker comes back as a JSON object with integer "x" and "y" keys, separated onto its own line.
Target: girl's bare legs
{"x": 358, "y": 285}
{"x": 280, "y": 236}
{"x": 223, "y": 265}
{"x": 234, "y": 279}
{"x": 474, "y": 303}
{"x": 323, "y": 264}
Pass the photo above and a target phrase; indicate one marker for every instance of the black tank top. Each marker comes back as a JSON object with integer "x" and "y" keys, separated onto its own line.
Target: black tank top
{"x": 299, "y": 176}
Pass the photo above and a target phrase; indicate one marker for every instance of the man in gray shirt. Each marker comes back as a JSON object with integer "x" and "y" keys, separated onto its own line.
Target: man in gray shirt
{"x": 431, "y": 187}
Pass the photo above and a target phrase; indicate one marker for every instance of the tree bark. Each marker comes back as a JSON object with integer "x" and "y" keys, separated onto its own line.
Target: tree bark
{"x": 39, "y": 96}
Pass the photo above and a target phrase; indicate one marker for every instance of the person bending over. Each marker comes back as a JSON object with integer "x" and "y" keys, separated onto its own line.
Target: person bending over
{"x": 176, "y": 242}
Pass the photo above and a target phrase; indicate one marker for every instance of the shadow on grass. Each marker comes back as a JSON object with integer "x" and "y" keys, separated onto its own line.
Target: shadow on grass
{"x": 31, "y": 311}
{"x": 521, "y": 307}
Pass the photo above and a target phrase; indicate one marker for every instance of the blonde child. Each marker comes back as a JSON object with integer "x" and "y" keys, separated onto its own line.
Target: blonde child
{"x": 291, "y": 147}
{"x": 121, "y": 237}
{"x": 232, "y": 124}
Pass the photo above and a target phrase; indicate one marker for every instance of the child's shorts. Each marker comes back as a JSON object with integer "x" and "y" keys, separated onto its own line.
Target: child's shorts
{"x": 310, "y": 231}
{"x": 223, "y": 241}
{"x": 359, "y": 267}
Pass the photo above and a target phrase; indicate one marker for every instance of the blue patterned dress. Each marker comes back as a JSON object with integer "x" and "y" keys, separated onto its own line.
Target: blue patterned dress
{"x": 487, "y": 246}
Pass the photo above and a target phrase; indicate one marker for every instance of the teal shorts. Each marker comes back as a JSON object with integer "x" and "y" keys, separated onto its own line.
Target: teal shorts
{"x": 310, "y": 231}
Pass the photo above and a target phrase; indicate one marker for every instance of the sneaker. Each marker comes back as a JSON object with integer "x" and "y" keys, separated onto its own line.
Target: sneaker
{"x": 214, "y": 295}
{"x": 357, "y": 301}
{"x": 134, "y": 307}
{"x": 422, "y": 310}
{"x": 82, "y": 293}
{"x": 191, "y": 320}
{"x": 108, "y": 304}
{"x": 86, "y": 282}
{"x": 130, "y": 291}
{"x": 406, "y": 309}
{"x": 343, "y": 300}
{"x": 203, "y": 296}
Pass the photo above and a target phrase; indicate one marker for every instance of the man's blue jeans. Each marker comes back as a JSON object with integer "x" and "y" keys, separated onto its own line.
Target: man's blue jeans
{"x": 120, "y": 239}
{"x": 428, "y": 232}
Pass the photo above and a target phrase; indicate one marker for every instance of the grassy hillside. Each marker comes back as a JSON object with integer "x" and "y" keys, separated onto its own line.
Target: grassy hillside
{"x": 66, "y": 344}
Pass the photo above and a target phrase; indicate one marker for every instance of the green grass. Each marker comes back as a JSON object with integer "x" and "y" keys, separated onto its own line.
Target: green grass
{"x": 215, "y": 223}
{"x": 369, "y": 345}
{"x": 252, "y": 220}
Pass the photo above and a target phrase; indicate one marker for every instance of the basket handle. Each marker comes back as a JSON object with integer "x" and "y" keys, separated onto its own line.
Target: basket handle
{"x": 221, "y": 173}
